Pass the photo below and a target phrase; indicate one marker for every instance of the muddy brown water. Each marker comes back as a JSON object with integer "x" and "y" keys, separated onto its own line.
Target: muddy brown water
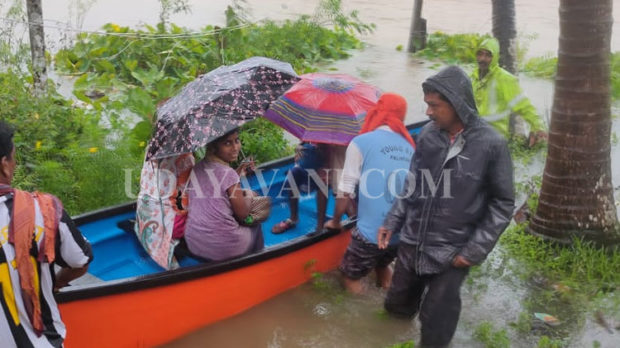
{"x": 322, "y": 315}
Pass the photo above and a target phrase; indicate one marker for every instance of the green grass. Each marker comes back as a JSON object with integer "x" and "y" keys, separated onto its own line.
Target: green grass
{"x": 547, "y": 342}
{"x": 490, "y": 337}
{"x": 408, "y": 344}
{"x": 583, "y": 267}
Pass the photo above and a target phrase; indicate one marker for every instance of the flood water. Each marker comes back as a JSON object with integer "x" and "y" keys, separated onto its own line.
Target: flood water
{"x": 322, "y": 315}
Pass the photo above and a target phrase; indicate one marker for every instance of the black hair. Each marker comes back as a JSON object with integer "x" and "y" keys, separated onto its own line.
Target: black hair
{"x": 428, "y": 89}
{"x": 6, "y": 140}
{"x": 212, "y": 146}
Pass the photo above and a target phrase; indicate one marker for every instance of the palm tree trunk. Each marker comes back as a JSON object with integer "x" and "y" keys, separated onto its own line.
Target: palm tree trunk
{"x": 417, "y": 31}
{"x": 37, "y": 46}
{"x": 576, "y": 196}
{"x": 505, "y": 31}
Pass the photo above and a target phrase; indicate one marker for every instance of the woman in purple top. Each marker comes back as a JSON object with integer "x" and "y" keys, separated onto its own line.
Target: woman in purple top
{"x": 217, "y": 203}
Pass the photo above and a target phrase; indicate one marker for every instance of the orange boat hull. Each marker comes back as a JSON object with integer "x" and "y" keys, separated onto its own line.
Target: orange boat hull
{"x": 149, "y": 317}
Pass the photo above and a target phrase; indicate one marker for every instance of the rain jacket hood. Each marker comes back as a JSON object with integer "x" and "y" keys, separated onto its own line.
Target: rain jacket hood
{"x": 455, "y": 85}
{"x": 492, "y": 45}
{"x": 460, "y": 196}
{"x": 498, "y": 94}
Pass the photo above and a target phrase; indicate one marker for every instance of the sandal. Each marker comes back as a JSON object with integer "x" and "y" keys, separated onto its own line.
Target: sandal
{"x": 283, "y": 226}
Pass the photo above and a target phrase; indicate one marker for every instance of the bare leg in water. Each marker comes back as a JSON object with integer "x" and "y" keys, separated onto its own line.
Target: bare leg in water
{"x": 384, "y": 277}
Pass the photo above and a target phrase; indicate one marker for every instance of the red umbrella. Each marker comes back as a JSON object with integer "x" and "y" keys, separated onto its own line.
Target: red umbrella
{"x": 324, "y": 108}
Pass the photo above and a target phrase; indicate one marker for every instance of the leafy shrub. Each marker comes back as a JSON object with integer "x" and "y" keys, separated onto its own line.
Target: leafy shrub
{"x": 137, "y": 73}
{"x": 544, "y": 67}
{"x": 55, "y": 141}
{"x": 85, "y": 153}
{"x": 452, "y": 49}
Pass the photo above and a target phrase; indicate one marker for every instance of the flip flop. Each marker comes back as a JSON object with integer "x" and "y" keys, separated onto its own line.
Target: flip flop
{"x": 283, "y": 226}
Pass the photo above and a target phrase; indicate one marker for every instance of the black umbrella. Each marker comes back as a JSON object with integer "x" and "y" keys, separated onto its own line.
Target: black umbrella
{"x": 217, "y": 102}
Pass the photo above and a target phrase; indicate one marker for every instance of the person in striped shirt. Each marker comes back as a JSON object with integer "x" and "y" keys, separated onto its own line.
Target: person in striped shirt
{"x": 36, "y": 234}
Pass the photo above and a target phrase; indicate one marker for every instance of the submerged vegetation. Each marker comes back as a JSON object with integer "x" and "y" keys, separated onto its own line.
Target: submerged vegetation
{"x": 452, "y": 48}
{"x": 89, "y": 150}
{"x": 581, "y": 268}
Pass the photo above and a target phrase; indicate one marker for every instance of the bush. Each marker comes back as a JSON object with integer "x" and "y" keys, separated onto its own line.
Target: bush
{"x": 86, "y": 154}
{"x": 452, "y": 49}
{"x": 135, "y": 73}
{"x": 55, "y": 142}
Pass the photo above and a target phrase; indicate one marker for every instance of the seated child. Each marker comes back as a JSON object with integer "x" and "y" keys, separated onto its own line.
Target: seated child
{"x": 218, "y": 206}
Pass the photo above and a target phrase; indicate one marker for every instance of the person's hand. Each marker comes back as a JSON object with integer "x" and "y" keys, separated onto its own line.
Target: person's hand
{"x": 537, "y": 138}
{"x": 246, "y": 167}
{"x": 383, "y": 237}
{"x": 333, "y": 225}
{"x": 460, "y": 262}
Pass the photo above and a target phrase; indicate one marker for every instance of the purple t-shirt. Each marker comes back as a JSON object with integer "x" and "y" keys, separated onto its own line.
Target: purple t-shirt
{"x": 212, "y": 231}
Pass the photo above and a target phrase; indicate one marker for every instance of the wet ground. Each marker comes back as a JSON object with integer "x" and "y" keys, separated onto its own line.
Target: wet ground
{"x": 319, "y": 314}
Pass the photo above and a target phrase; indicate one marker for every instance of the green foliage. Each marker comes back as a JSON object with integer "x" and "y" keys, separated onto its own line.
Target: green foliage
{"x": 547, "y": 342}
{"x": 309, "y": 265}
{"x": 62, "y": 149}
{"x": 13, "y": 51}
{"x": 490, "y": 337}
{"x": 318, "y": 282}
{"x": 138, "y": 73}
{"x": 461, "y": 49}
{"x": 452, "y": 49}
{"x": 84, "y": 152}
{"x": 138, "y": 62}
{"x": 264, "y": 141}
{"x": 330, "y": 12}
{"x": 615, "y": 75}
{"x": 408, "y": 344}
{"x": 581, "y": 266}
{"x": 169, "y": 7}
{"x": 105, "y": 177}
{"x": 522, "y": 152}
{"x": 544, "y": 67}
{"x": 523, "y": 325}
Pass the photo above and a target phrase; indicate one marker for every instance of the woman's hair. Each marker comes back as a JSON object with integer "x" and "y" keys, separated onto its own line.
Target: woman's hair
{"x": 6, "y": 140}
{"x": 212, "y": 146}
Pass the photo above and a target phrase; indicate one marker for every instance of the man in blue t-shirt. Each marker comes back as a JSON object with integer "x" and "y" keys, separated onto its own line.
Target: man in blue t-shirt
{"x": 377, "y": 161}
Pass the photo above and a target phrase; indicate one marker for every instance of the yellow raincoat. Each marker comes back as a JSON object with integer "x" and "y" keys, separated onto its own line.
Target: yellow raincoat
{"x": 498, "y": 95}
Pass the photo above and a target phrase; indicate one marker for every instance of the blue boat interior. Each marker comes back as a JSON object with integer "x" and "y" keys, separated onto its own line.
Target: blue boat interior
{"x": 118, "y": 254}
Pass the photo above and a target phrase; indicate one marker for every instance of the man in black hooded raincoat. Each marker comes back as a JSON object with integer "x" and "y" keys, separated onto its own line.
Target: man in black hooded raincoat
{"x": 458, "y": 199}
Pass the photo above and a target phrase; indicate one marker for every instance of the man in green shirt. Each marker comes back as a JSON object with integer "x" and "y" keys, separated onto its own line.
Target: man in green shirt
{"x": 498, "y": 95}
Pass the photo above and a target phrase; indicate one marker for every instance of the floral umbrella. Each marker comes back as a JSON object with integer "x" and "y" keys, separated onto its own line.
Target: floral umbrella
{"x": 217, "y": 102}
{"x": 324, "y": 108}
{"x": 204, "y": 110}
